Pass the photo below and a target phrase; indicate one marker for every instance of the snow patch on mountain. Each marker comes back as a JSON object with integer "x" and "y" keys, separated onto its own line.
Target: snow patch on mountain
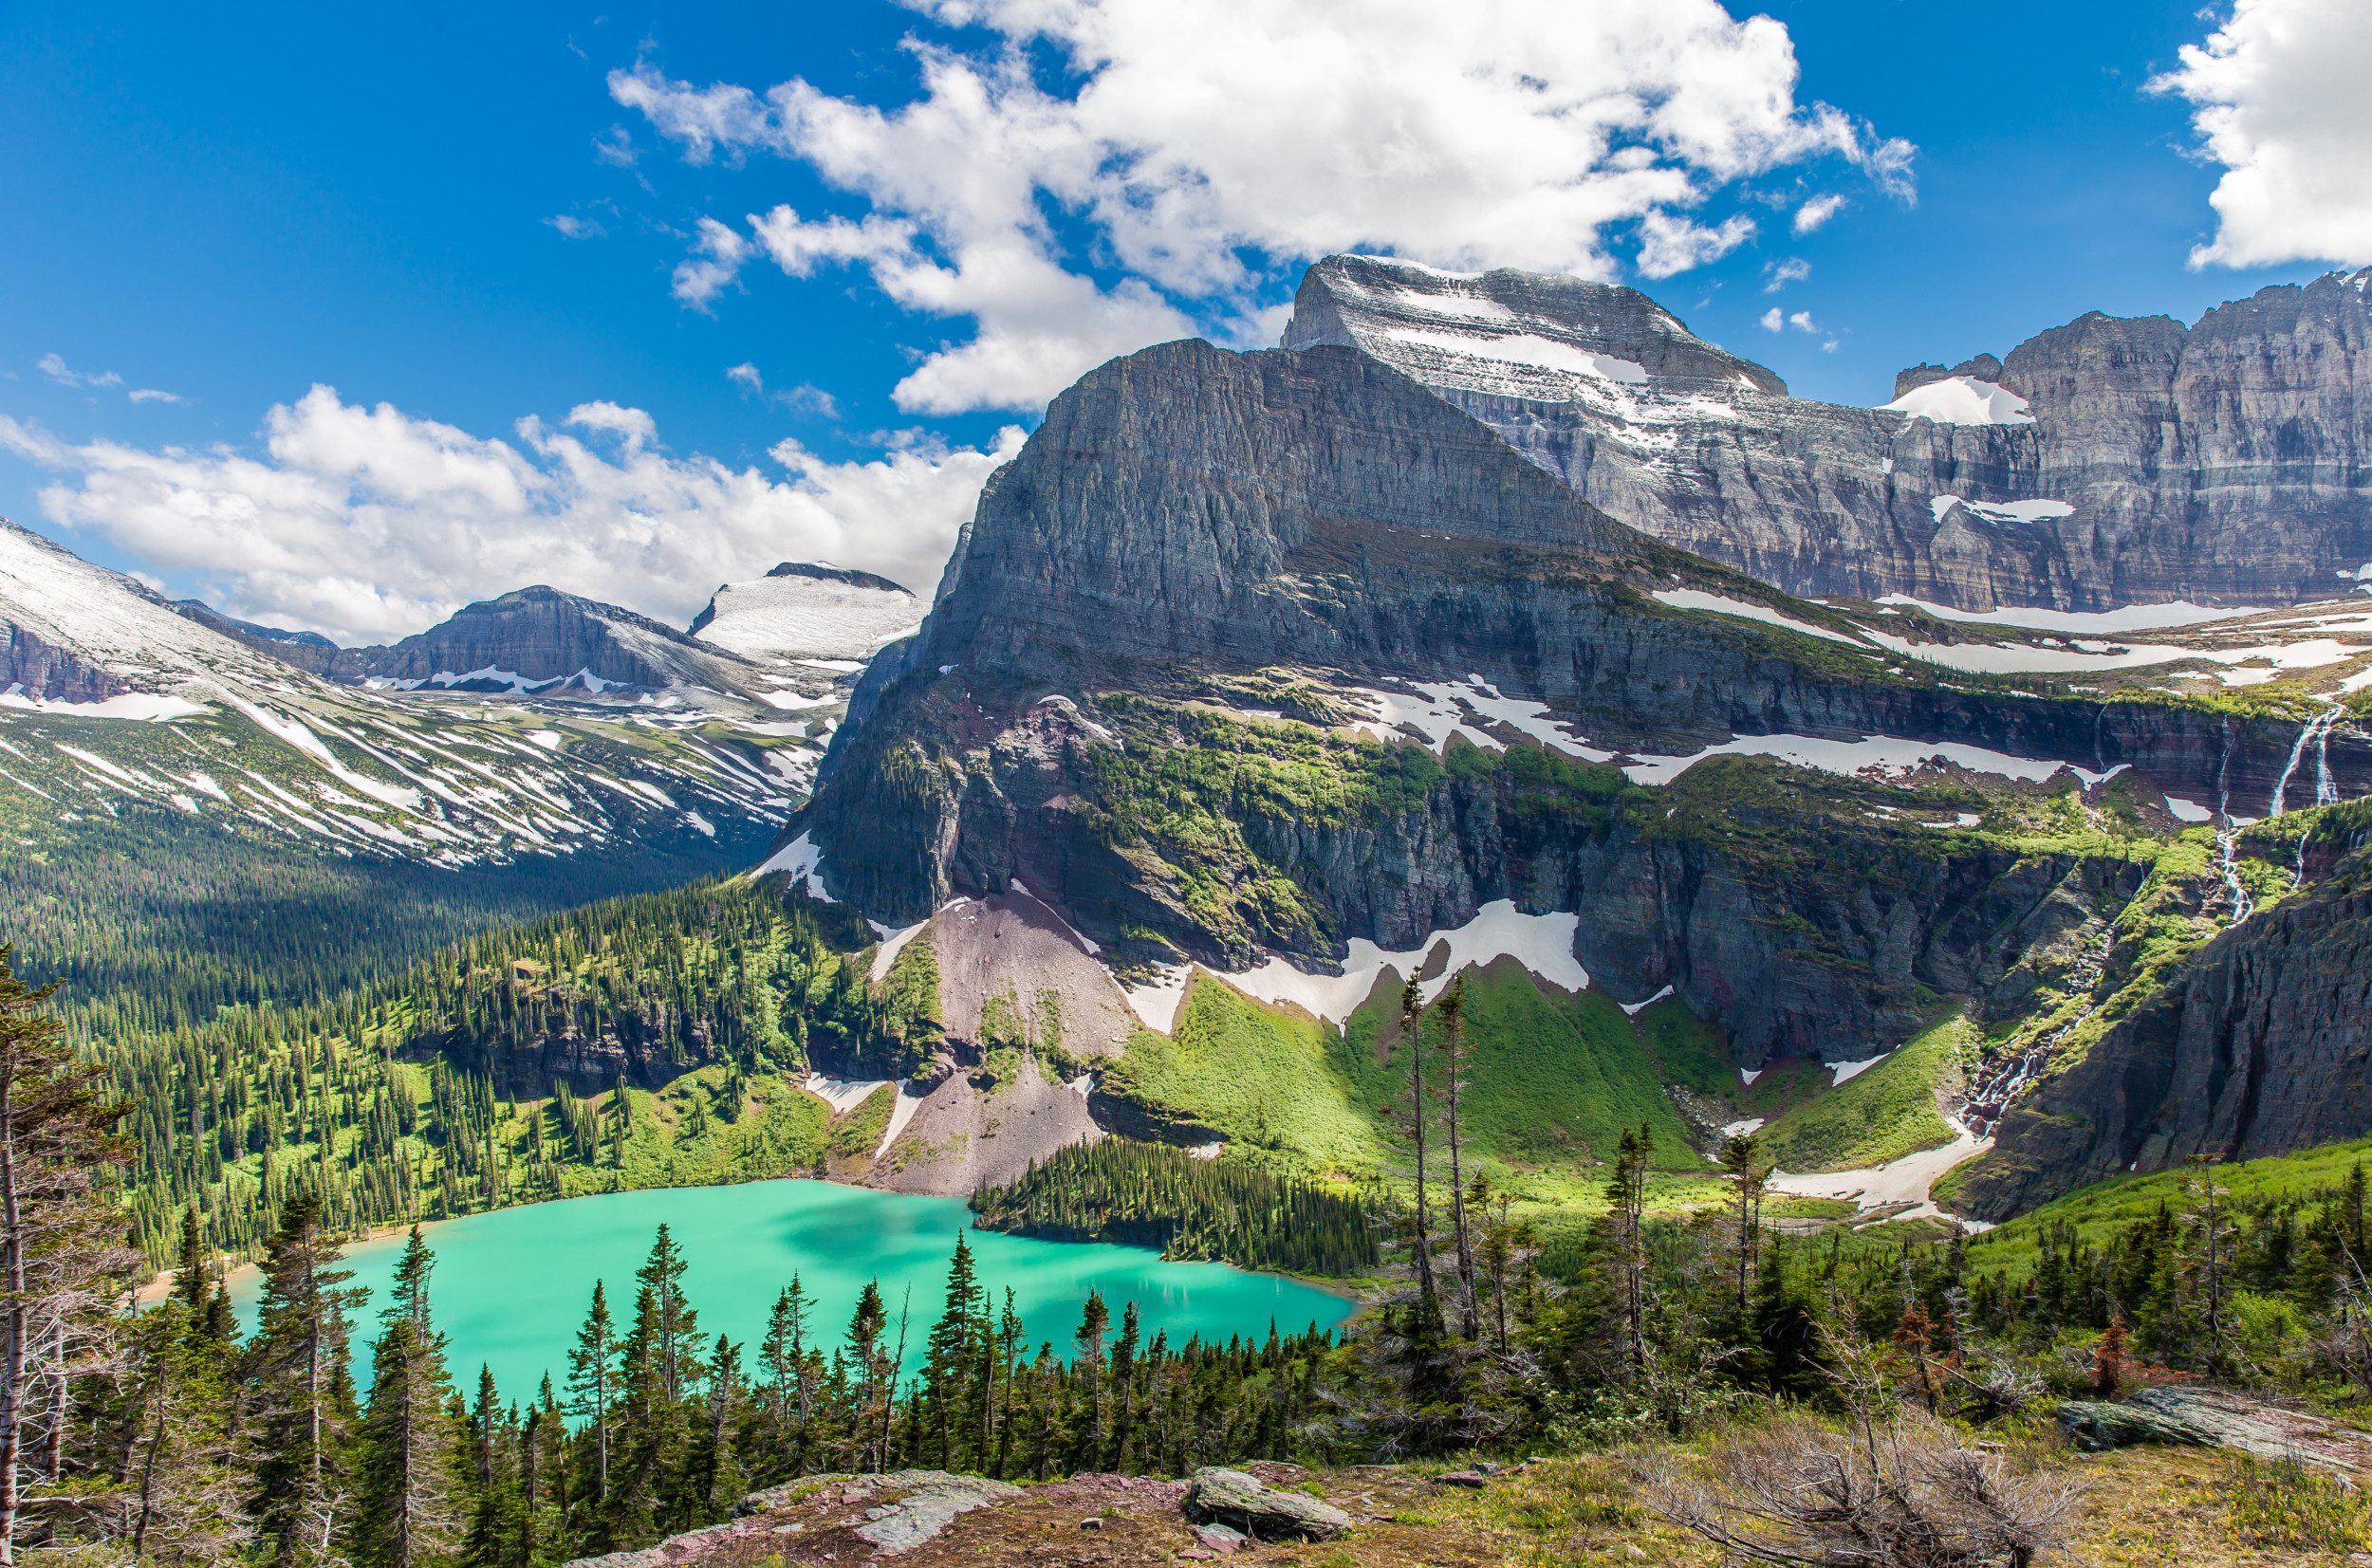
{"x": 1964, "y": 400}
{"x": 2130, "y": 617}
{"x": 1885, "y": 755}
{"x": 1527, "y": 348}
{"x": 1541, "y": 943}
{"x": 138, "y": 707}
{"x": 1692, "y": 598}
{"x": 805, "y": 611}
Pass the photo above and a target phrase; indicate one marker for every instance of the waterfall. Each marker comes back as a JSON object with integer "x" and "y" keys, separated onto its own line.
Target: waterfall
{"x": 2226, "y": 832}
{"x": 2318, "y": 731}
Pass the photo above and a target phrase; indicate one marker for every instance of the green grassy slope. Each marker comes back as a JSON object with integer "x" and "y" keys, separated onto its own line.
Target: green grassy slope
{"x": 1880, "y": 1113}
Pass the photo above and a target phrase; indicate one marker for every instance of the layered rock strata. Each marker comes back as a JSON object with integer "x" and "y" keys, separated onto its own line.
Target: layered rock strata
{"x": 2102, "y": 463}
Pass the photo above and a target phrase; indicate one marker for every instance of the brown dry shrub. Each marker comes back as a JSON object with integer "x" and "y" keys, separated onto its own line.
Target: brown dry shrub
{"x": 1904, "y": 1493}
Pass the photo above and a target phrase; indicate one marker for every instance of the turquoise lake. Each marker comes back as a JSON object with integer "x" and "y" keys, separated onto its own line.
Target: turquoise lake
{"x": 510, "y": 1288}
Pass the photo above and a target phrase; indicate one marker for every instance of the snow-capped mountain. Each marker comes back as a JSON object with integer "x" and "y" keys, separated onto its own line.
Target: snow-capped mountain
{"x": 120, "y": 708}
{"x": 807, "y": 610}
{"x": 2103, "y": 463}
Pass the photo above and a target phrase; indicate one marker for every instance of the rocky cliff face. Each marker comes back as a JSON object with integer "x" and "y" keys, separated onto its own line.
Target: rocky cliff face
{"x": 2261, "y": 1043}
{"x": 2102, "y": 463}
{"x": 1195, "y": 536}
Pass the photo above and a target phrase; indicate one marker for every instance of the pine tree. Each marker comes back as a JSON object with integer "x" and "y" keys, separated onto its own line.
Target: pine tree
{"x": 1123, "y": 1388}
{"x": 59, "y": 1235}
{"x": 716, "y": 1480}
{"x": 1452, "y": 1008}
{"x": 790, "y": 1374}
{"x": 405, "y": 1512}
{"x": 1095, "y": 1321}
{"x": 949, "y": 1348}
{"x": 593, "y": 1383}
{"x": 873, "y": 1368}
{"x": 1738, "y": 1158}
{"x": 183, "y": 1471}
{"x": 301, "y": 1391}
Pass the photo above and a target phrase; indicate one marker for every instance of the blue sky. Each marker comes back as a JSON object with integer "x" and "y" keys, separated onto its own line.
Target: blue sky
{"x": 233, "y": 208}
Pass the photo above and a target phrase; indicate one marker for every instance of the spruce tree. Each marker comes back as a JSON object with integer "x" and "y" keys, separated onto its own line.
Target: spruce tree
{"x": 183, "y": 1471}
{"x": 1095, "y": 1321}
{"x": 61, "y": 1234}
{"x": 593, "y": 1383}
{"x": 301, "y": 1391}
{"x": 406, "y": 1514}
{"x": 948, "y": 1351}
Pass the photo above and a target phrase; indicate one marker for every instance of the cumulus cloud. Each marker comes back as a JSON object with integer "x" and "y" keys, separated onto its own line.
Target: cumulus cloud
{"x": 2278, "y": 98}
{"x": 368, "y": 524}
{"x": 1802, "y": 322}
{"x": 1781, "y": 273}
{"x": 1774, "y": 320}
{"x": 576, "y": 228}
{"x": 1815, "y": 213}
{"x": 1206, "y": 150}
{"x": 713, "y": 267}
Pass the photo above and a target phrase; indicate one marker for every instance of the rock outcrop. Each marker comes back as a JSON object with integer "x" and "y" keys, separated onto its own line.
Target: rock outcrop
{"x": 2184, "y": 1417}
{"x": 2102, "y": 463}
{"x": 1245, "y": 1502}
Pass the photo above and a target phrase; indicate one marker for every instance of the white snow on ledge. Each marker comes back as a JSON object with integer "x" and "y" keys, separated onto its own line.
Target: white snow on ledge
{"x": 1694, "y": 598}
{"x": 1964, "y": 400}
{"x": 1854, "y": 1069}
{"x": 2130, "y": 617}
{"x": 1524, "y": 348}
{"x": 2038, "y": 510}
{"x": 1443, "y": 709}
{"x": 804, "y": 860}
{"x": 1885, "y": 753}
{"x": 1543, "y": 943}
{"x": 1634, "y": 1008}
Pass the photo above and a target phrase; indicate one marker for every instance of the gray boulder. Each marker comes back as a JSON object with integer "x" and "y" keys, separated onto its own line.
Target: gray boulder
{"x": 2212, "y": 1418}
{"x": 1245, "y": 1502}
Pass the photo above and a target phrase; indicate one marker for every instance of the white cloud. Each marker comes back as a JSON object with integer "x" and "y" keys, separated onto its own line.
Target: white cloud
{"x": 1206, "y": 150}
{"x": 1815, "y": 213}
{"x": 56, "y": 369}
{"x": 1795, "y": 269}
{"x": 799, "y": 399}
{"x": 368, "y": 524}
{"x": 1802, "y": 322}
{"x": 1670, "y": 244}
{"x": 1774, "y": 320}
{"x": 2278, "y": 98}
{"x": 153, "y": 394}
{"x": 576, "y": 228}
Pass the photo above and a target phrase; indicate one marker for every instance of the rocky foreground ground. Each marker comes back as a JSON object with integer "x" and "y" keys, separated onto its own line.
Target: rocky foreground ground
{"x": 2167, "y": 1498}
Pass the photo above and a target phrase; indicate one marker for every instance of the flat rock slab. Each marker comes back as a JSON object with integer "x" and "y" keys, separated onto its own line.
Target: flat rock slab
{"x": 1246, "y": 1503}
{"x": 926, "y": 1503}
{"x": 2214, "y": 1418}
